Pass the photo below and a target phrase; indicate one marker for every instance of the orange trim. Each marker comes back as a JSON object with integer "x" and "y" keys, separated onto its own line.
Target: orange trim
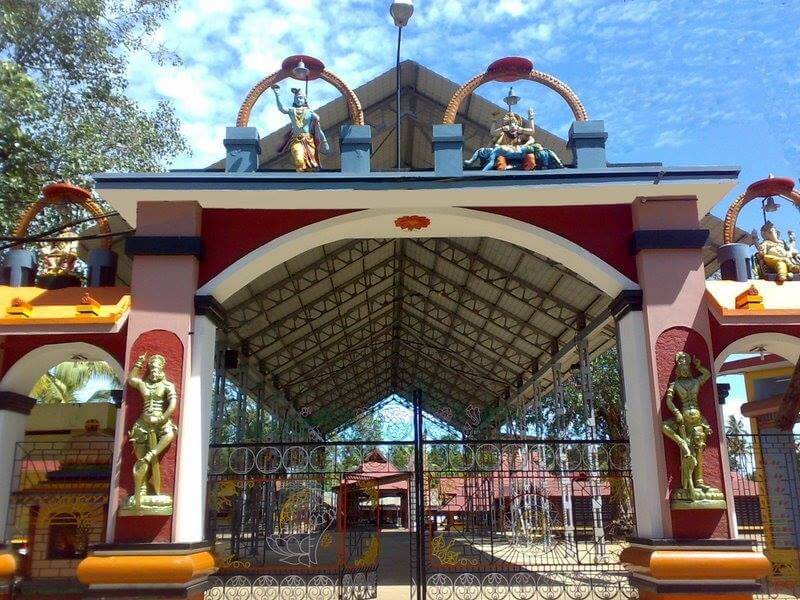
{"x": 695, "y": 564}
{"x": 68, "y": 306}
{"x": 8, "y": 565}
{"x": 153, "y": 569}
{"x": 708, "y": 564}
{"x": 61, "y": 192}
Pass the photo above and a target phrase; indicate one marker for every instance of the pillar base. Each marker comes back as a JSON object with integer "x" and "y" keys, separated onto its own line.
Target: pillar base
{"x": 8, "y": 569}
{"x": 684, "y": 569}
{"x": 147, "y": 570}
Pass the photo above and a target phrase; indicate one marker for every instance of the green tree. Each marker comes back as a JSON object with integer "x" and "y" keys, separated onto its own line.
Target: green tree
{"x": 63, "y": 80}
{"x": 738, "y": 444}
{"x": 64, "y": 383}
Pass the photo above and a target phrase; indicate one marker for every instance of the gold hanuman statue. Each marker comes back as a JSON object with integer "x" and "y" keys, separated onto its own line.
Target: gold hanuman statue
{"x": 151, "y": 435}
{"x": 689, "y": 430}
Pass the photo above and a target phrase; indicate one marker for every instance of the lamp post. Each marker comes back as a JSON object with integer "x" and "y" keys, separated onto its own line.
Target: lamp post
{"x": 401, "y": 11}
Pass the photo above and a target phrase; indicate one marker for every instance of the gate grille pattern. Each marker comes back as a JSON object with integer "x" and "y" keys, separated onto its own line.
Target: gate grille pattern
{"x": 296, "y": 520}
{"x": 516, "y": 519}
{"x": 765, "y": 472}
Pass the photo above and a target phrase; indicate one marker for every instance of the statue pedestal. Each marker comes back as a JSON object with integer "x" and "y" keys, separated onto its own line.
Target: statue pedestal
{"x": 8, "y": 569}
{"x": 153, "y": 505}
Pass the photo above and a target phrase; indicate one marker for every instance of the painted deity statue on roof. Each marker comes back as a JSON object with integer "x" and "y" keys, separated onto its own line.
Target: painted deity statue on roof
{"x": 514, "y": 147}
{"x": 777, "y": 257}
{"x": 306, "y": 139}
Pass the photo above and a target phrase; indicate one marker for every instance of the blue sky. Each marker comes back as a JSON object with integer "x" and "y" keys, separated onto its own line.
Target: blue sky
{"x": 685, "y": 82}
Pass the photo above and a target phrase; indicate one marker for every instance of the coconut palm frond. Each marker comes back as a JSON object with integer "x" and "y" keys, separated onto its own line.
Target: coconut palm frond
{"x": 76, "y": 374}
{"x": 49, "y": 390}
{"x": 64, "y": 381}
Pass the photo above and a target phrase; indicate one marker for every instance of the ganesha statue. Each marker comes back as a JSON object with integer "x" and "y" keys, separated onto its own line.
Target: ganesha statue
{"x": 514, "y": 147}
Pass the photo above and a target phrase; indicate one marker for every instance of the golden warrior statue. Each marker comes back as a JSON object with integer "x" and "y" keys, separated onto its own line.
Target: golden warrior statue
{"x": 689, "y": 430}
{"x": 306, "y": 139}
{"x": 151, "y": 435}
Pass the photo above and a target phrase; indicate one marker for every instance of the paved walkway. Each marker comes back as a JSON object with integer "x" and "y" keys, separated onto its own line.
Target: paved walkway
{"x": 394, "y": 575}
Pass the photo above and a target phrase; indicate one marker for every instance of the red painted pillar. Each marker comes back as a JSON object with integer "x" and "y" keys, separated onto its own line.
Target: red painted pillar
{"x": 142, "y": 551}
{"x": 667, "y": 243}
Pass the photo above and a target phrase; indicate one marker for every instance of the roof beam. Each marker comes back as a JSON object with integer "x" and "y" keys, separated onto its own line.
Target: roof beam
{"x": 331, "y": 292}
{"x": 311, "y": 267}
{"x": 303, "y": 357}
{"x": 519, "y": 280}
{"x": 492, "y": 306}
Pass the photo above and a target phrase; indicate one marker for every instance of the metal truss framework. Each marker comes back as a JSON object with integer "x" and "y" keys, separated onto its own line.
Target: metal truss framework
{"x": 465, "y": 320}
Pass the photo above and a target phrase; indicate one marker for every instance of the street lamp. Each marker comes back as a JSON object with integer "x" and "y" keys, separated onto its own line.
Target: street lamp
{"x": 401, "y": 11}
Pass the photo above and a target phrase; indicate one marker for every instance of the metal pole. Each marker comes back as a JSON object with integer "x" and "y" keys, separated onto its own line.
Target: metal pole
{"x": 397, "y": 92}
{"x": 419, "y": 485}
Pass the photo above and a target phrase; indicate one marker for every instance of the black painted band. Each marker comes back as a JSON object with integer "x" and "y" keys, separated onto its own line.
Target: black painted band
{"x": 193, "y": 589}
{"x": 163, "y": 245}
{"x": 668, "y": 239}
{"x": 148, "y": 548}
{"x": 679, "y": 544}
{"x": 625, "y": 302}
{"x": 208, "y": 306}
{"x": 701, "y": 586}
{"x": 17, "y": 403}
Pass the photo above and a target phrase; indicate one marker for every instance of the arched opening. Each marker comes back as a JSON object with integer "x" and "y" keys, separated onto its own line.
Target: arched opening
{"x": 763, "y": 443}
{"x": 369, "y": 389}
{"x": 26, "y": 372}
{"x": 444, "y": 223}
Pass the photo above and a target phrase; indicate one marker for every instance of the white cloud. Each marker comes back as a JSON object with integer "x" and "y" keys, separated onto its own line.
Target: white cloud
{"x": 655, "y": 71}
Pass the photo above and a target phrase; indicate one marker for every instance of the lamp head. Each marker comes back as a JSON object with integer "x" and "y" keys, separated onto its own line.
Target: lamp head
{"x": 401, "y": 11}
{"x": 300, "y": 71}
{"x": 770, "y": 205}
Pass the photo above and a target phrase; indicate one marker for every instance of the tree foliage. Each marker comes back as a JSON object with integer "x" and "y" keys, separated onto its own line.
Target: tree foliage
{"x": 64, "y": 383}
{"x": 65, "y": 113}
{"x": 738, "y": 443}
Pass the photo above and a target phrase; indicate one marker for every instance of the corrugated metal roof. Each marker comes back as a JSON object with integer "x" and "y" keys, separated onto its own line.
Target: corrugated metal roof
{"x": 342, "y": 326}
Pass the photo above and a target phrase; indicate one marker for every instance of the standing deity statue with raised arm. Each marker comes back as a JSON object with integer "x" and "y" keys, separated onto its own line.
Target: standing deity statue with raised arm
{"x": 151, "y": 435}
{"x": 690, "y": 431}
{"x": 306, "y": 139}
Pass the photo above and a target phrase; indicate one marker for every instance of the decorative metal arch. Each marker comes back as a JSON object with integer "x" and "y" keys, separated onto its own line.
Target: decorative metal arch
{"x": 772, "y": 186}
{"x": 64, "y": 192}
{"x": 317, "y": 70}
{"x": 514, "y": 68}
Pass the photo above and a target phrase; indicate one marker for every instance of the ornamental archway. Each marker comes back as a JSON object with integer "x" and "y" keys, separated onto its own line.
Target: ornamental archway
{"x": 443, "y": 222}
{"x": 445, "y": 311}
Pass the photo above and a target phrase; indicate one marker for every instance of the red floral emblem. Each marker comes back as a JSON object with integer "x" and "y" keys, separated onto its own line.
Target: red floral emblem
{"x": 412, "y": 222}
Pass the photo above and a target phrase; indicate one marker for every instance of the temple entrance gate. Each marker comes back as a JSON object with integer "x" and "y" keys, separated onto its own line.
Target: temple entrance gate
{"x": 490, "y": 487}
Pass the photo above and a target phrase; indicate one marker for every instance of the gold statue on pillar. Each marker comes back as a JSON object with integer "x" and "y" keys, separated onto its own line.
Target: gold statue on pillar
{"x": 689, "y": 430}
{"x": 151, "y": 435}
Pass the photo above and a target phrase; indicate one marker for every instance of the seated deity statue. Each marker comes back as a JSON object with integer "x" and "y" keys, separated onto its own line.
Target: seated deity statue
{"x": 775, "y": 256}
{"x": 690, "y": 431}
{"x": 59, "y": 257}
{"x": 514, "y": 147}
{"x": 306, "y": 139}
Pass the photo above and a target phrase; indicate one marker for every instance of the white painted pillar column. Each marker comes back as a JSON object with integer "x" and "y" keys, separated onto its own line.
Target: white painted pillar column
{"x": 14, "y": 411}
{"x": 648, "y": 467}
{"x": 192, "y": 470}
